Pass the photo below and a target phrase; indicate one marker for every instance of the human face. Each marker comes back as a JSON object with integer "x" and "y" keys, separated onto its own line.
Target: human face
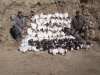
{"x": 77, "y": 14}
{"x": 20, "y": 13}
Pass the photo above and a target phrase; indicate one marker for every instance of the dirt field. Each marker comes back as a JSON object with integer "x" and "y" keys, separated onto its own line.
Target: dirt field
{"x": 13, "y": 62}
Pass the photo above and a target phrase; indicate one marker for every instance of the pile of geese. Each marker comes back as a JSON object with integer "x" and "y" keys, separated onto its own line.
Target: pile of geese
{"x": 46, "y": 33}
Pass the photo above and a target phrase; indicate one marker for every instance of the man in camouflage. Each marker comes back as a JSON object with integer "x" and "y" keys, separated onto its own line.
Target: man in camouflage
{"x": 79, "y": 25}
{"x": 20, "y": 24}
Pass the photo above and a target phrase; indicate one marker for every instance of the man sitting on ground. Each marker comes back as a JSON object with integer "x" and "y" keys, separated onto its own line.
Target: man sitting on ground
{"x": 79, "y": 25}
{"x": 20, "y": 24}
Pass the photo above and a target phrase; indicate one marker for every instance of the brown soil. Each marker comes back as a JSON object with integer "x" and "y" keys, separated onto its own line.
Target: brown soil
{"x": 13, "y": 62}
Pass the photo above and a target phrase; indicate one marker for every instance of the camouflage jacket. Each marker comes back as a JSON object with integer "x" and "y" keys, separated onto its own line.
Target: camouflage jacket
{"x": 78, "y": 23}
{"x": 20, "y": 22}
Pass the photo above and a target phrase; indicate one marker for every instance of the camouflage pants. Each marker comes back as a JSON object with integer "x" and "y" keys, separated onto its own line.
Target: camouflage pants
{"x": 19, "y": 34}
{"x": 78, "y": 33}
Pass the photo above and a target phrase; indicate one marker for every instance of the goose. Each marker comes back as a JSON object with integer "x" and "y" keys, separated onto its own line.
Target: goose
{"x": 77, "y": 47}
{"x": 41, "y": 20}
{"x": 53, "y": 51}
{"x": 54, "y": 35}
{"x": 65, "y": 15}
{"x": 33, "y": 25}
{"x": 36, "y": 17}
{"x": 29, "y": 31}
{"x": 57, "y": 15}
{"x": 33, "y": 18}
{"x": 30, "y": 42}
{"x": 45, "y": 22}
{"x": 61, "y": 15}
{"x": 62, "y": 21}
{"x": 55, "y": 28}
{"x": 45, "y": 16}
{"x": 40, "y": 39}
{"x": 62, "y": 33}
{"x": 71, "y": 47}
{"x": 69, "y": 26}
{"x": 27, "y": 38}
{"x": 39, "y": 35}
{"x": 87, "y": 45}
{"x": 46, "y": 35}
{"x": 38, "y": 23}
{"x": 69, "y": 20}
{"x": 58, "y": 21}
{"x": 51, "y": 29}
{"x": 23, "y": 41}
{"x": 60, "y": 28}
{"x": 44, "y": 27}
{"x": 23, "y": 48}
{"x": 48, "y": 21}
{"x": 49, "y": 16}
{"x": 22, "y": 45}
{"x": 58, "y": 33}
{"x": 70, "y": 37}
{"x": 50, "y": 34}
{"x": 39, "y": 28}
{"x": 66, "y": 22}
{"x": 34, "y": 49}
{"x": 53, "y": 21}
{"x": 41, "y": 15}
{"x": 33, "y": 34}
{"x": 53, "y": 15}
{"x": 29, "y": 48}
{"x": 35, "y": 39}
{"x": 62, "y": 51}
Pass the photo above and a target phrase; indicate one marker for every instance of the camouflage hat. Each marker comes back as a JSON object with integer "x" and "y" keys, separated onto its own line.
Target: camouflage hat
{"x": 77, "y": 11}
{"x": 19, "y": 11}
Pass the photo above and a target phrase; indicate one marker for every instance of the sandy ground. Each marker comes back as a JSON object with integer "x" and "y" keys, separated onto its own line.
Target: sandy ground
{"x": 13, "y": 62}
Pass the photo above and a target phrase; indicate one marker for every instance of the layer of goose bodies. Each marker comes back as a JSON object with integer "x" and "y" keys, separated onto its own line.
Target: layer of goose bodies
{"x": 57, "y": 19}
{"x": 54, "y": 45}
{"x": 46, "y": 33}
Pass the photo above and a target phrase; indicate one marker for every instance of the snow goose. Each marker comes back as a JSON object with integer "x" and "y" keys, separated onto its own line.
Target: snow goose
{"x": 23, "y": 48}
{"x": 61, "y": 15}
{"x": 54, "y": 35}
{"x": 62, "y": 51}
{"x": 71, "y": 47}
{"x": 37, "y": 22}
{"x": 34, "y": 49}
{"x": 41, "y": 20}
{"x": 57, "y": 15}
{"x": 33, "y": 25}
{"x": 29, "y": 47}
{"x": 69, "y": 26}
{"x": 60, "y": 28}
{"x": 53, "y": 21}
{"x": 87, "y": 45}
{"x": 39, "y": 28}
{"x": 29, "y": 31}
{"x": 65, "y": 15}
{"x": 50, "y": 34}
{"x": 69, "y": 20}
{"x": 53, "y": 51}
{"x": 66, "y": 22}
{"x": 33, "y": 18}
{"x": 33, "y": 34}
{"x": 36, "y": 17}
{"x": 49, "y": 16}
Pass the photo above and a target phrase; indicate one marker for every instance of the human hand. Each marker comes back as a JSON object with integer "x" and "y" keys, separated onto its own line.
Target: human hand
{"x": 20, "y": 29}
{"x": 23, "y": 31}
{"x": 72, "y": 32}
{"x": 83, "y": 28}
